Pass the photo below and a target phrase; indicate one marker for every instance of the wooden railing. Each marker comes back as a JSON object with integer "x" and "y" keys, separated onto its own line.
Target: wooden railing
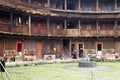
{"x": 24, "y": 30}
{"x": 20, "y": 30}
{"x": 71, "y": 32}
{"x": 55, "y": 32}
{"x": 117, "y": 32}
{"x": 102, "y": 16}
{"x": 5, "y": 27}
{"x": 88, "y": 33}
{"x": 39, "y": 31}
{"x": 107, "y": 33}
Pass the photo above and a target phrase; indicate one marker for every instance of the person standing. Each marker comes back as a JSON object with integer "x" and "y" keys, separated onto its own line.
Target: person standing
{"x": 74, "y": 54}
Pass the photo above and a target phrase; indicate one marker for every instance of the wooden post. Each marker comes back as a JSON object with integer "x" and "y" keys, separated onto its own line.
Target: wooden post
{"x": 48, "y": 2}
{"x": 29, "y": 1}
{"x": 65, "y": 24}
{"x": 97, "y": 26}
{"x": 11, "y": 22}
{"x": 115, "y": 25}
{"x": 79, "y": 5}
{"x": 79, "y": 24}
{"x": 116, "y": 5}
{"x": 11, "y": 19}
{"x": 48, "y": 25}
{"x": 65, "y": 27}
{"x": 97, "y": 5}
{"x": 65, "y": 3}
{"x": 29, "y": 25}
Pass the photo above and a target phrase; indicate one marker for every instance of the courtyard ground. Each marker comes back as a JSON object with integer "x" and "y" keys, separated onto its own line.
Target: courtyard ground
{"x": 64, "y": 71}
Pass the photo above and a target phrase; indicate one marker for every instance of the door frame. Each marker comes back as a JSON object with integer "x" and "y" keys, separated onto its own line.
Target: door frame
{"x": 83, "y": 49}
{"x": 97, "y": 48}
{"x": 22, "y": 43}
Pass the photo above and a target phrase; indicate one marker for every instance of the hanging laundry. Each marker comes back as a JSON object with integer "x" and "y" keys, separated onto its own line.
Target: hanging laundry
{"x": 15, "y": 21}
{"x": 19, "y": 20}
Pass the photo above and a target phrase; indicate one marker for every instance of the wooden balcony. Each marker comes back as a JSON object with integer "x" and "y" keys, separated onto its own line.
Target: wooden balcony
{"x": 59, "y": 32}
{"x": 71, "y": 32}
{"x": 88, "y": 33}
{"x": 44, "y": 31}
{"x": 20, "y": 30}
{"x": 24, "y": 30}
{"x": 117, "y": 32}
{"x": 55, "y": 32}
{"x": 4, "y": 27}
{"x": 107, "y": 16}
{"x": 38, "y": 31}
{"x": 74, "y": 32}
{"x": 107, "y": 33}
{"x": 34, "y": 31}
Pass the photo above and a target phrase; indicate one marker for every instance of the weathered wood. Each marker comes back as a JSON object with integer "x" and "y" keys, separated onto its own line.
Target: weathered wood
{"x": 107, "y": 33}
{"x": 71, "y": 32}
{"x": 88, "y": 33}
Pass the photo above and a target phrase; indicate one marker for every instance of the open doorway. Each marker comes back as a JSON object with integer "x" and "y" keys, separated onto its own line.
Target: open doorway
{"x": 19, "y": 48}
{"x": 81, "y": 47}
{"x": 99, "y": 47}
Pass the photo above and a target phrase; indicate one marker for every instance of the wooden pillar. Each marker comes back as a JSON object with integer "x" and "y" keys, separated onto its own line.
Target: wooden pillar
{"x": 97, "y": 5}
{"x": 115, "y": 28}
{"x": 11, "y": 18}
{"x": 116, "y": 5}
{"x": 115, "y": 24}
{"x": 48, "y": 25}
{"x": 65, "y": 24}
{"x": 97, "y": 26}
{"x": 48, "y": 22}
{"x": 79, "y": 29}
{"x": 79, "y": 5}
{"x": 29, "y": 1}
{"x": 48, "y": 2}
{"x": 29, "y": 25}
{"x": 65, "y": 3}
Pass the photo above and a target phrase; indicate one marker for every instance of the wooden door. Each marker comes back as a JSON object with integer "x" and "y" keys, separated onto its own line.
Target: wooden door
{"x": 39, "y": 56}
{"x": 20, "y": 48}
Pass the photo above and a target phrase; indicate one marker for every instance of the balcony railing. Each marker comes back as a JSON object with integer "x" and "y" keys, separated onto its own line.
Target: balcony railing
{"x": 24, "y": 30}
{"x": 5, "y": 27}
{"x": 71, "y": 32}
{"x": 55, "y": 32}
{"x": 118, "y": 32}
{"x": 102, "y": 16}
{"x": 88, "y": 33}
{"x": 107, "y": 33}
{"x": 38, "y": 31}
{"x": 20, "y": 30}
